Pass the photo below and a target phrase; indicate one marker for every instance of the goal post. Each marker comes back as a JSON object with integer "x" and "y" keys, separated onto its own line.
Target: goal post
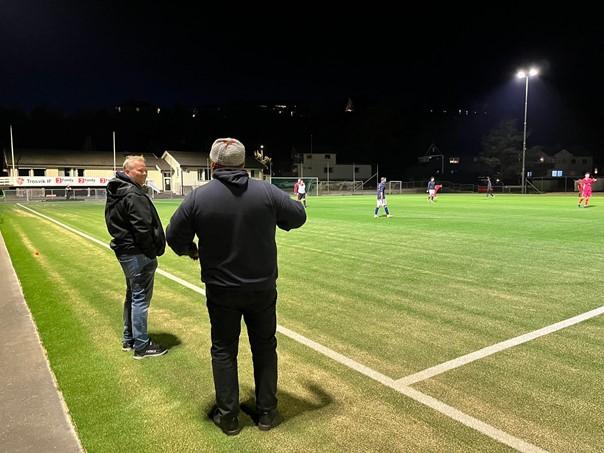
{"x": 287, "y": 184}
{"x": 395, "y": 187}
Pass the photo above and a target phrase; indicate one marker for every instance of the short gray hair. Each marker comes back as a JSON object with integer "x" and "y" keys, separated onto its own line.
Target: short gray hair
{"x": 130, "y": 159}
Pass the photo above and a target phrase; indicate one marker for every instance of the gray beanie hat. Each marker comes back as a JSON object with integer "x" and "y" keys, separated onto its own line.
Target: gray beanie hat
{"x": 228, "y": 152}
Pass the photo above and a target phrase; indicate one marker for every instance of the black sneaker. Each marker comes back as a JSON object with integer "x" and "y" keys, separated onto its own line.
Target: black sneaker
{"x": 229, "y": 425}
{"x": 127, "y": 346}
{"x": 151, "y": 350}
{"x": 268, "y": 420}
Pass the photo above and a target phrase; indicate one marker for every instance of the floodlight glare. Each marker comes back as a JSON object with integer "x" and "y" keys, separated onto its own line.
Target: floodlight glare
{"x": 521, "y": 74}
{"x": 533, "y": 72}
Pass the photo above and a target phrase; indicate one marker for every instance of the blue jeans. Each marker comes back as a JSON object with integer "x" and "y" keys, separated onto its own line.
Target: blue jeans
{"x": 140, "y": 272}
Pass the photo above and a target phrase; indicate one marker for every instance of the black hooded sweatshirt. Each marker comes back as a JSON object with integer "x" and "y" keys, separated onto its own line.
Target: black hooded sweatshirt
{"x": 234, "y": 218}
{"x": 132, "y": 220}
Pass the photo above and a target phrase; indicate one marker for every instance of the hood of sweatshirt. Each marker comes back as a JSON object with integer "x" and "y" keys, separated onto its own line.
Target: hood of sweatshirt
{"x": 118, "y": 187}
{"x": 236, "y": 179}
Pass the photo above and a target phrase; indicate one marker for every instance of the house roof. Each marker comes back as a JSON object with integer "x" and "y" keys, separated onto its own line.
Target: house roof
{"x": 563, "y": 153}
{"x": 45, "y": 158}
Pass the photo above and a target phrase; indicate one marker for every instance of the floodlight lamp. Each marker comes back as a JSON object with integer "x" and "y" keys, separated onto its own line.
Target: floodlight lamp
{"x": 521, "y": 74}
{"x": 533, "y": 72}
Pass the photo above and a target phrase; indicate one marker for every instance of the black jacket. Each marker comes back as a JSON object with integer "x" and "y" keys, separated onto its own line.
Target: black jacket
{"x": 234, "y": 218}
{"x": 132, "y": 220}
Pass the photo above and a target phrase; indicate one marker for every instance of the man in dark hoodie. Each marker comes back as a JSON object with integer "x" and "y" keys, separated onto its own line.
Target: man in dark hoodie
{"x": 138, "y": 239}
{"x": 234, "y": 218}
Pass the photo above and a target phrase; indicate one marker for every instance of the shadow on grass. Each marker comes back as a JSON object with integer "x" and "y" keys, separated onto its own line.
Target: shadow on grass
{"x": 290, "y": 404}
{"x": 165, "y": 339}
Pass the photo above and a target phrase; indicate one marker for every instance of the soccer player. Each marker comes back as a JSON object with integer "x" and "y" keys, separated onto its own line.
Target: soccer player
{"x": 300, "y": 190}
{"x": 381, "y": 198}
{"x": 489, "y": 187}
{"x": 586, "y": 194}
{"x": 431, "y": 189}
{"x": 579, "y": 183}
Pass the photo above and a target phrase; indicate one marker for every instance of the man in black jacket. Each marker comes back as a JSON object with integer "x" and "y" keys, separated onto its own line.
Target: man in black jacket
{"x": 138, "y": 239}
{"x": 234, "y": 218}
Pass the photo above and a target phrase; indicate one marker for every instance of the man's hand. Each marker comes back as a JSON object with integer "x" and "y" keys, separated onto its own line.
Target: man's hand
{"x": 194, "y": 252}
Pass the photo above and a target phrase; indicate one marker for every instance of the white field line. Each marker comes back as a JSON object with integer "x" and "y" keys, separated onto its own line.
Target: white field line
{"x": 415, "y": 395}
{"x": 182, "y": 282}
{"x": 485, "y": 352}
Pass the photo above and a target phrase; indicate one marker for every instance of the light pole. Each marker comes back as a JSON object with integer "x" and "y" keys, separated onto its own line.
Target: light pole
{"x": 522, "y": 74}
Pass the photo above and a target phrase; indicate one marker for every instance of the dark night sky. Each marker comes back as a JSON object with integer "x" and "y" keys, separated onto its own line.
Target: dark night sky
{"x": 84, "y": 55}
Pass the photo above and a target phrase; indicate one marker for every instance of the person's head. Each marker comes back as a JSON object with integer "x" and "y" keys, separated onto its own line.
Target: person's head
{"x": 383, "y": 179}
{"x": 488, "y": 178}
{"x": 300, "y": 181}
{"x": 135, "y": 169}
{"x": 432, "y": 178}
{"x": 587, "y": 175}
{"x": 227, "y": 153}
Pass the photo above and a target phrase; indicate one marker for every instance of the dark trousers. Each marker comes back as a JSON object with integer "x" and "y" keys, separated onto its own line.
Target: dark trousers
{"x": 226, "y": 307}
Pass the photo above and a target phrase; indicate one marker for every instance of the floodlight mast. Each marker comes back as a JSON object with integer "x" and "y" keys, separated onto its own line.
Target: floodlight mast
{"x": 523, "y": 74}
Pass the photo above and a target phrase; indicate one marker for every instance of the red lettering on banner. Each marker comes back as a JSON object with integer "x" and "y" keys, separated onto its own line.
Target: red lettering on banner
{"x": 81, "y": 180}
{"x": 103, "y": 180}
{"x": 58, "y": 180}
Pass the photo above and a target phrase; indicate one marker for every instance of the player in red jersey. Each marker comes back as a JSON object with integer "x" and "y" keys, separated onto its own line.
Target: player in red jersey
{"x": 586, "y": 194}
{"x": 580, "y": 189}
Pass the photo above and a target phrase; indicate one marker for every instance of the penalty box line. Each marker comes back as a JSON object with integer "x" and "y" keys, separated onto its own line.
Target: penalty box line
{"x": 498, "y": 347}
{"x": 426, "y": 400}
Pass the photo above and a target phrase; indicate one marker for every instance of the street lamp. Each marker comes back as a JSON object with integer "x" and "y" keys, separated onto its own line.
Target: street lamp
{"x": 522, "y": 74}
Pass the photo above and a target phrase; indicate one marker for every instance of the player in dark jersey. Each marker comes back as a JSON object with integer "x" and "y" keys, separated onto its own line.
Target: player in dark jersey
{"x": 381, "y": 198}
{"x": 431, "y": 189}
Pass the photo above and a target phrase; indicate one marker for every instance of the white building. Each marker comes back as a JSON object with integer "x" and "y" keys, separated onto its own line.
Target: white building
{"x": 570, "y": 165}
{"x": 61, "y": 168}
{"x": 191, "y": 169}
{"x": 318, "y": 164}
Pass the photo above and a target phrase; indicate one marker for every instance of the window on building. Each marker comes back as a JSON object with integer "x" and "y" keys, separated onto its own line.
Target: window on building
{"x": 356, "y": 169}
{"x": 39, "y": 172}
{"x": 65, "y": 172}
{"x": 80, "y": 172}
{"x": 326, "y": 168}
{"x": 309, "y": 156}
{"x": 24, "y": 171}
{"x": 327, "y": 156}
{"x": 201, "y": 175}
{"x": 557, "y": 173}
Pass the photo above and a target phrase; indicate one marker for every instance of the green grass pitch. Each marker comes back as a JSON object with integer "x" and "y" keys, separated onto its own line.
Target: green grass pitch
{"x": 399, "y": 295}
